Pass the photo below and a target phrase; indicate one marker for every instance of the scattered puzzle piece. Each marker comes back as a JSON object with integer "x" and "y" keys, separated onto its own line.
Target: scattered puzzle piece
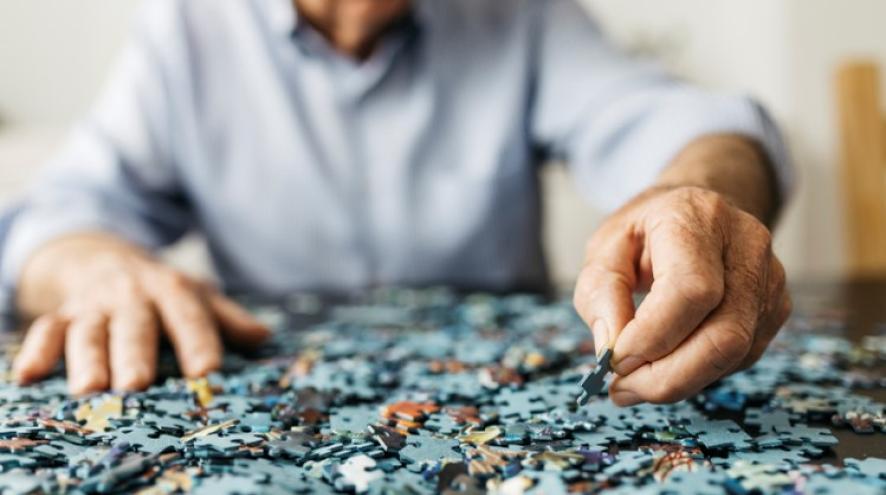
{"x": 425, "y": 392}
{"x": 592, "y": 382}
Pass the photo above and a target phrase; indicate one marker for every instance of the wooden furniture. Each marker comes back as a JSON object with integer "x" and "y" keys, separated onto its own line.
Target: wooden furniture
{"x": 858, "y": 304}
{"x": 863, "y": 146}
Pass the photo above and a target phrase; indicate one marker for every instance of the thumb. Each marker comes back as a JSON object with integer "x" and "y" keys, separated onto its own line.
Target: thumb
{"x": 604, "y": 291}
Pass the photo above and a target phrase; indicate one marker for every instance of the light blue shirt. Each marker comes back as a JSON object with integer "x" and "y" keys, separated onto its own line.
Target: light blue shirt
{"x": 308, "y": 170}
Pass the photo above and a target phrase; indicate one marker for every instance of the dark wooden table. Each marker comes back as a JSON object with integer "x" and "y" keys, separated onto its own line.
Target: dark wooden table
{"x": 861, "y": 304}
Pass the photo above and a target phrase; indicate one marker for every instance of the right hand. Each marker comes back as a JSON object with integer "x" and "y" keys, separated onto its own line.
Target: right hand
{"x": 103, "y": 304}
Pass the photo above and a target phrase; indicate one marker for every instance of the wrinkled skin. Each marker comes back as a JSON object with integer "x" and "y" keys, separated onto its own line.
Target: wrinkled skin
{"x": 716, "y": 292}
{"x": 115, "y": 303}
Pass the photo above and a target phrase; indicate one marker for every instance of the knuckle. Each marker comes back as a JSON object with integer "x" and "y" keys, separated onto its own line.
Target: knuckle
{"x": 45, "y": 322}
{"x": 703, "y": 202}
{"x": 178, "y": 281}
{"x": 109, "y": 262}
{"x": 701, "y": 290}
{"x": 71, "y": 308}
{"x": 127, "y": 287}
{"x": 193, "y": 316}
{"x": 590, "y": 278}
{"x": 712, "y": 204}
{"x": 755, "y": 233}
{"x": 761, "y": 232}
{"x": 594, "y": 283}
{"x": 665, "y": 391}
{"x": 85, "y": 325}
{"x": 609, "y": 229}
{"x": 752, "y": 279}
{"x": 137, "y": 316}
{"x": 145, "y": 325}
{"x": 727, "y": 347}
{"x": 602, "y": 282}
{"x": 655, "y": 345}
{"x": 91, "y": 319}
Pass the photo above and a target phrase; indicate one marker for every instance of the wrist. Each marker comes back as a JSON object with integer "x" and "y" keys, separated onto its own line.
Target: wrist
{"x": 734, "y": 167}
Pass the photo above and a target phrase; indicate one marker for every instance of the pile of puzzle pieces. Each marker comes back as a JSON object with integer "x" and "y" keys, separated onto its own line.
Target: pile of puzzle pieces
{"x": 412, "y": 392}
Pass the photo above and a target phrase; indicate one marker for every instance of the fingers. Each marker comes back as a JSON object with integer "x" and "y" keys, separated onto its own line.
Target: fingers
{"x": 605, "y": 286}
{"x": 41, "y": 350}
{"x": 780, "y": 306}
{"x": 86, "y": 354}
{"x": 722, "y": 341}
{"x": 188, "y": 324}
{"x": 713, "y": 350}
{"x": 765, "y": 333}
{"x": 238, "y": 325}
{"x": 133, "y": 340}
{"x": 688, "y": 284}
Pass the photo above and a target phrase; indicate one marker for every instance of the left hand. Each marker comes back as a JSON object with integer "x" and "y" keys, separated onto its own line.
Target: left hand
{"x": 716, "y": 293}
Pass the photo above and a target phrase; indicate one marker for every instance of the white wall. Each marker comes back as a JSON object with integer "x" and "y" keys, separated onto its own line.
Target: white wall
{"x": 54, "y": 53}
{"x": 823, "y": 33}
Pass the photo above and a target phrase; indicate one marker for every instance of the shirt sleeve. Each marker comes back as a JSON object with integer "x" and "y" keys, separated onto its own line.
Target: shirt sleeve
{"x": 618, "y": 121}
{"x": 116, "y": 171}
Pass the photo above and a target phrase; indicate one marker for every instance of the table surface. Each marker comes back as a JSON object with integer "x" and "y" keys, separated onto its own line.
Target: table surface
{"x": 861, "y": 304}
{"x": 852, "y": 310}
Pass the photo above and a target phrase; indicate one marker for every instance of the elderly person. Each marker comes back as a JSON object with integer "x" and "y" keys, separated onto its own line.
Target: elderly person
{"x": 339, "y": 144}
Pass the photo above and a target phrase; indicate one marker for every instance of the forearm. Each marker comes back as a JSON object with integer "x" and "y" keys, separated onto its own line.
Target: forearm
{"x": 55, "y": 268}
{"x": 731, "y": 165}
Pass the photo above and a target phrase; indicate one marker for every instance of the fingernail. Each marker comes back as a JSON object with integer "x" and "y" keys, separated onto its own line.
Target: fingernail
{"x": 625, "y": 398}
{"x": 600, "y": 330}
{"x": 627, "y": 365}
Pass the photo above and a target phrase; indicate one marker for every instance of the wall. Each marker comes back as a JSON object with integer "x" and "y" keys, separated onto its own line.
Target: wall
{"x": 824, "y": 33}
{"x": 53, "y": 56}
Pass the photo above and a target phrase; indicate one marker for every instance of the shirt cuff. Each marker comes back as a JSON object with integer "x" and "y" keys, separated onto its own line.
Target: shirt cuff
{"x": 639, "y": 155}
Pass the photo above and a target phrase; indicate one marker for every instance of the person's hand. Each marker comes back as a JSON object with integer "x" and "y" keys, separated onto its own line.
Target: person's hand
{"x": 716, "y": 293}
{"x": 112, "y": 301}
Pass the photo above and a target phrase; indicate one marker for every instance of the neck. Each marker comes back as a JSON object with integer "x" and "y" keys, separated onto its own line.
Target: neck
{"x": 353, "y": 27}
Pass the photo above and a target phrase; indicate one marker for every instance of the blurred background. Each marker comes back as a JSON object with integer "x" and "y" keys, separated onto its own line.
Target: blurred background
{"x": 54, "y": 56}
